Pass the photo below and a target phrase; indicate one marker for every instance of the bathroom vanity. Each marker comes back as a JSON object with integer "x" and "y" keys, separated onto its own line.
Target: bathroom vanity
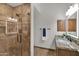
{"x": 68, "y": 45}
{"x": 65, "y": 47}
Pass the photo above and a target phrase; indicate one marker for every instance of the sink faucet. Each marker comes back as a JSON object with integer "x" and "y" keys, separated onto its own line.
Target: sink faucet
{"x": 69, "y": 38}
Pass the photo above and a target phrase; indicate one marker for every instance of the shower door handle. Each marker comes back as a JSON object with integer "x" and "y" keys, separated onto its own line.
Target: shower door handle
{"x": 19, "y": 38}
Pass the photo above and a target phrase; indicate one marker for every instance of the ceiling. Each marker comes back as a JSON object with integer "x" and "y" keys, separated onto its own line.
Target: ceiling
{"x": 14, "y": 4}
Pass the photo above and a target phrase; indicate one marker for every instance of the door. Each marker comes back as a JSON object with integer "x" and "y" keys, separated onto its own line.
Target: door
{"x": 23, "y": 43}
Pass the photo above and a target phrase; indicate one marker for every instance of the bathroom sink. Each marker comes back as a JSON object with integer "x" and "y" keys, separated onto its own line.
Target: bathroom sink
{"x": 74, "y": 46}
{"x": 67, "y": 44}
{"x": 62, "y": 43}
{"x": 70, "y": 45}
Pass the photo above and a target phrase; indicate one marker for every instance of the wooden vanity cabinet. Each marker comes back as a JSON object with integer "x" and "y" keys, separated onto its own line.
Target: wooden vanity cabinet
{"x": 54, "y": 52}
{"x": 66, "y": 52}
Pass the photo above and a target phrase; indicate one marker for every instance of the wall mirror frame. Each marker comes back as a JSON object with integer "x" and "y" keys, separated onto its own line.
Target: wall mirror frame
{"x": 67, "y": 19}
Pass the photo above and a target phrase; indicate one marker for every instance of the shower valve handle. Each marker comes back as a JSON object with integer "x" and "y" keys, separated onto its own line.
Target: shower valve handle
{"x": 20, "y": 39}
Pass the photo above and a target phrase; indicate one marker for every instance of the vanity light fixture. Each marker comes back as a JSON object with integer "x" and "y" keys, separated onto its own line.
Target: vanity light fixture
{"x": 72, "y": 10}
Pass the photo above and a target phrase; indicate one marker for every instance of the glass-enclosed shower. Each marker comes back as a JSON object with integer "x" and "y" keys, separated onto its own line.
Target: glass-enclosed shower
{"x": 15, "y": 31}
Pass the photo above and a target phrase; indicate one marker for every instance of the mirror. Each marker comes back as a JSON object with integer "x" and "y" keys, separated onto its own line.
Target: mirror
{"x": 72, "y": 21}
{"x": 72, "y": 24}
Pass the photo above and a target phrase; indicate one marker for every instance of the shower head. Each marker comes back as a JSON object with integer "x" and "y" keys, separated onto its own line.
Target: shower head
{"x": 17, "y": 15}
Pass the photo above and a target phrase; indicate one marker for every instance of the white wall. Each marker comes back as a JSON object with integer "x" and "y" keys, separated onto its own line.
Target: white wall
{"x": 47, "y": 17}
{"x": 78, "y": 21}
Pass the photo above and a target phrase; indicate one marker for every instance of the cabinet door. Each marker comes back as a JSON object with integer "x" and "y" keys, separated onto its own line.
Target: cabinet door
{"x": 72, "y": 25}
{"x": 60, "y": 25}
{"x": 65, "y": 52}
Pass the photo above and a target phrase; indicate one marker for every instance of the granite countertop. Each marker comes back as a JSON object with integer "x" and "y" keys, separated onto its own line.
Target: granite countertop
{"x": 63, "y": 43}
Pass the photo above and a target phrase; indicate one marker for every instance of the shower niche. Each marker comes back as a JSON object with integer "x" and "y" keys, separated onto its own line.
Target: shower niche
{"x": 8, "y": 27}
{"x": 11, "y": 27}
